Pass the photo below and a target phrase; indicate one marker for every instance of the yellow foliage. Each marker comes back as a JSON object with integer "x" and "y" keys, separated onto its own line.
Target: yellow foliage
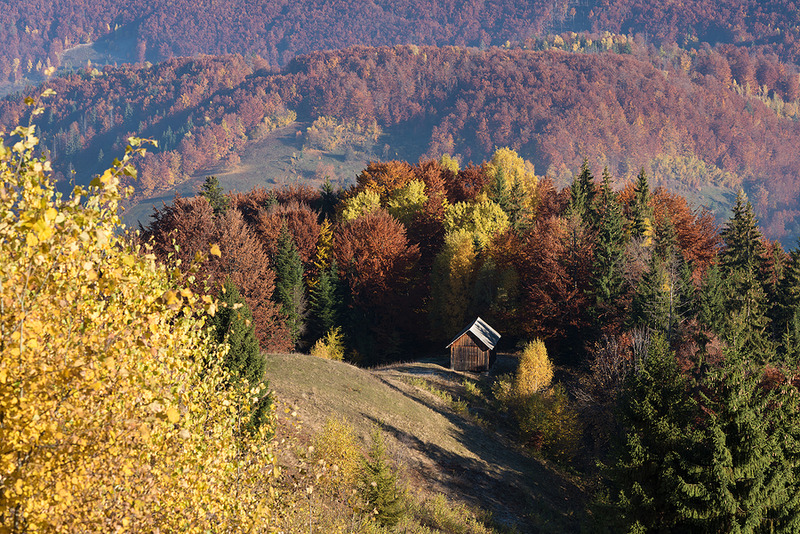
{"x": 449, "y": 162}
{"x": 324, "y": 252}
{"x": 483, "y": 220}
{"x": 535, "y": 371}
{"x": 330, "y": 346}
{"x": 518, "y": 172}
{"x": 548, "y": 420}
{"x": 114, "y": 414}
{"x": 406, "y": 201}
{"x": 363, "y": 203}
{"x": 329, "y": 134}
{"x": 452, "y": 279}
{"x": 338, "y": 448}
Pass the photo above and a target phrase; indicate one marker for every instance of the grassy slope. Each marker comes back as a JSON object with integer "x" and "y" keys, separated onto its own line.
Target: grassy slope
{"x": 276, "y": 159}
{"x": 441, "y": 450}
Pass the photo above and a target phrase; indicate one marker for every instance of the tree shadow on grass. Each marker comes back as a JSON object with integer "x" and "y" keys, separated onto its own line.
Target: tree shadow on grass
{"x": 517, "y": 489}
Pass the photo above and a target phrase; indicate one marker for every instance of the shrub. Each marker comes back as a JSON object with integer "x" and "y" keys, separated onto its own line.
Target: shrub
{"x": 330, "y": 346}
{"x": 535, "y": 370}
{"x": 379, "y": 484}
{"x": 548, "y": 422}
{"x": 337, "y": 447}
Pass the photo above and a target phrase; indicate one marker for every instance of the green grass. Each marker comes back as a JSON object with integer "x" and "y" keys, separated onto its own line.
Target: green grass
{"x": 441, "y": 451}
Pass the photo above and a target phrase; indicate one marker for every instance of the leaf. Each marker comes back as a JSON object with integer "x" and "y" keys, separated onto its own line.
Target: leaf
{"x": 215, "y": 250}
{"x": 173, "y": 415}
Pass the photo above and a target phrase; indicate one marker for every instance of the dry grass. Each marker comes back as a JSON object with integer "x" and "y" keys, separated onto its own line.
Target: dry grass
{"x": 441, "y": 451}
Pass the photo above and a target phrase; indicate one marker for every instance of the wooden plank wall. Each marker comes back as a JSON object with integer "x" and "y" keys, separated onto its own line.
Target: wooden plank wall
{"x": 466, "y": 355}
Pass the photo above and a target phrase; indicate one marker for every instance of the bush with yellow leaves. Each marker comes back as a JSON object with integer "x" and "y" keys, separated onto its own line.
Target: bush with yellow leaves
{"x": 330, "y": 346}
{"x": 338, "y": 448}
{"x": 111, "y": 400}
{"x": 535, "y": 371}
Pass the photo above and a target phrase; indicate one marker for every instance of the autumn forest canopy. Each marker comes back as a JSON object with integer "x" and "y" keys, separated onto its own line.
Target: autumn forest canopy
{"x": 343, "y": 186}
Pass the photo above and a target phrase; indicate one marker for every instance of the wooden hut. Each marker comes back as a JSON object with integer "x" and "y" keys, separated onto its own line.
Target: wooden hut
{"x": 473, "y": 348}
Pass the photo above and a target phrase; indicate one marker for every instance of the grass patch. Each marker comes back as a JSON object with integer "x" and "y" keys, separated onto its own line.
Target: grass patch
{"x": 436, "y": 448}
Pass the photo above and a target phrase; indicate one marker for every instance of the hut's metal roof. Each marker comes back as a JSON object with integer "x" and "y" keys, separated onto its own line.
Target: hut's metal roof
{"x": 482, "y": 331}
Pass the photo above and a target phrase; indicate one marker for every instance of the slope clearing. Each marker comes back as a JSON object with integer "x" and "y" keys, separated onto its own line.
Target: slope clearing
{"x": 439, "y": 449}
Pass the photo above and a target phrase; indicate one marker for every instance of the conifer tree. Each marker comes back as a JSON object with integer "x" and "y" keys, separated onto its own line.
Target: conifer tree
{"x": 379, "y": 484}
{"x": 233, "y": 324}
{"x": 517, "y": 213}
{"x": 641, "y": 212}
{"x": 212, "y": 191}
{"x": 289, "y": 289}
{"x": 711, "y": 300}
{"x": 582, "y": 194}
{"x": 329, "y": 199}
{"x": 785, "y": 428}
{"x": 741, "y": 264}
{"x": 665, "y": 239}
{"x": 749, "y": 477}
{"x": 786, "y": 309}
{"x": 498, "y": 190}
{"x": 664, "y": 296}
{"x": 609, "y": 246}
{"x": 654, "y": 459}
{"x": 743, "y": 247}
{"x": 325, "y": 300}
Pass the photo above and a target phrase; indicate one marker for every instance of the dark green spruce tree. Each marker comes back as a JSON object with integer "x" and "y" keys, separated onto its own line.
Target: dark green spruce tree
{"x": 582, "y": 193}
{"x": 216, "y": 197}
{"x": 289, "y": 287}
{"x": 498, "y": 190}
{"x": 751, "y": 476}
{"x": 665, "y": 238}
{"x": 609, "y": 250}
{"x": 517, "y": 214}
{"x": 746, "y": 322}
{"x": 379, "y": 484}
{"x": 711, "y": 300}
{"x": 640, "y": 210}
{"x": 329, "y": 199}
{"x": 664, "y": 297}
{"x": 233, "y": 324}
{"x": 786, "y": 310}
{"x": 651, "y": 481}
{"x": 326, "y": 302}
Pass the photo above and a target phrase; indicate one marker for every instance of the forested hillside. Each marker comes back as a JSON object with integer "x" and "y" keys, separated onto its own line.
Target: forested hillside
{"x": 677, "y": 341}
{"x": 612, "y": 184}
{"x": 36, "y": 33}
{"x": 710, "y": 120}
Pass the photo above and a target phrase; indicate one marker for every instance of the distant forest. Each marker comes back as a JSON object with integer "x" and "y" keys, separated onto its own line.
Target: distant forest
{"x": 35, "y": 33}
{"x": 723, "y": 117}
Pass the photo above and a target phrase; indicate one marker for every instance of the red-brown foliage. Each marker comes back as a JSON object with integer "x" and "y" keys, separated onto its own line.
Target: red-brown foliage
{"x": 373, "y": 255}
{"x": 466, "y": 184}
{"x": 697, "y": 232}
{"x": 187, "y": 226}
{"x": 383, "y": 177}
{"x": 554, "y": 271}
{"x": 300, "y": 221}
{"x": 554, "y": 108}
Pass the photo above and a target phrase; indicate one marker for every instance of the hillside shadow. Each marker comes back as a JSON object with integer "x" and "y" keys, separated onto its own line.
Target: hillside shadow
{"x": 519, "y": 490}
